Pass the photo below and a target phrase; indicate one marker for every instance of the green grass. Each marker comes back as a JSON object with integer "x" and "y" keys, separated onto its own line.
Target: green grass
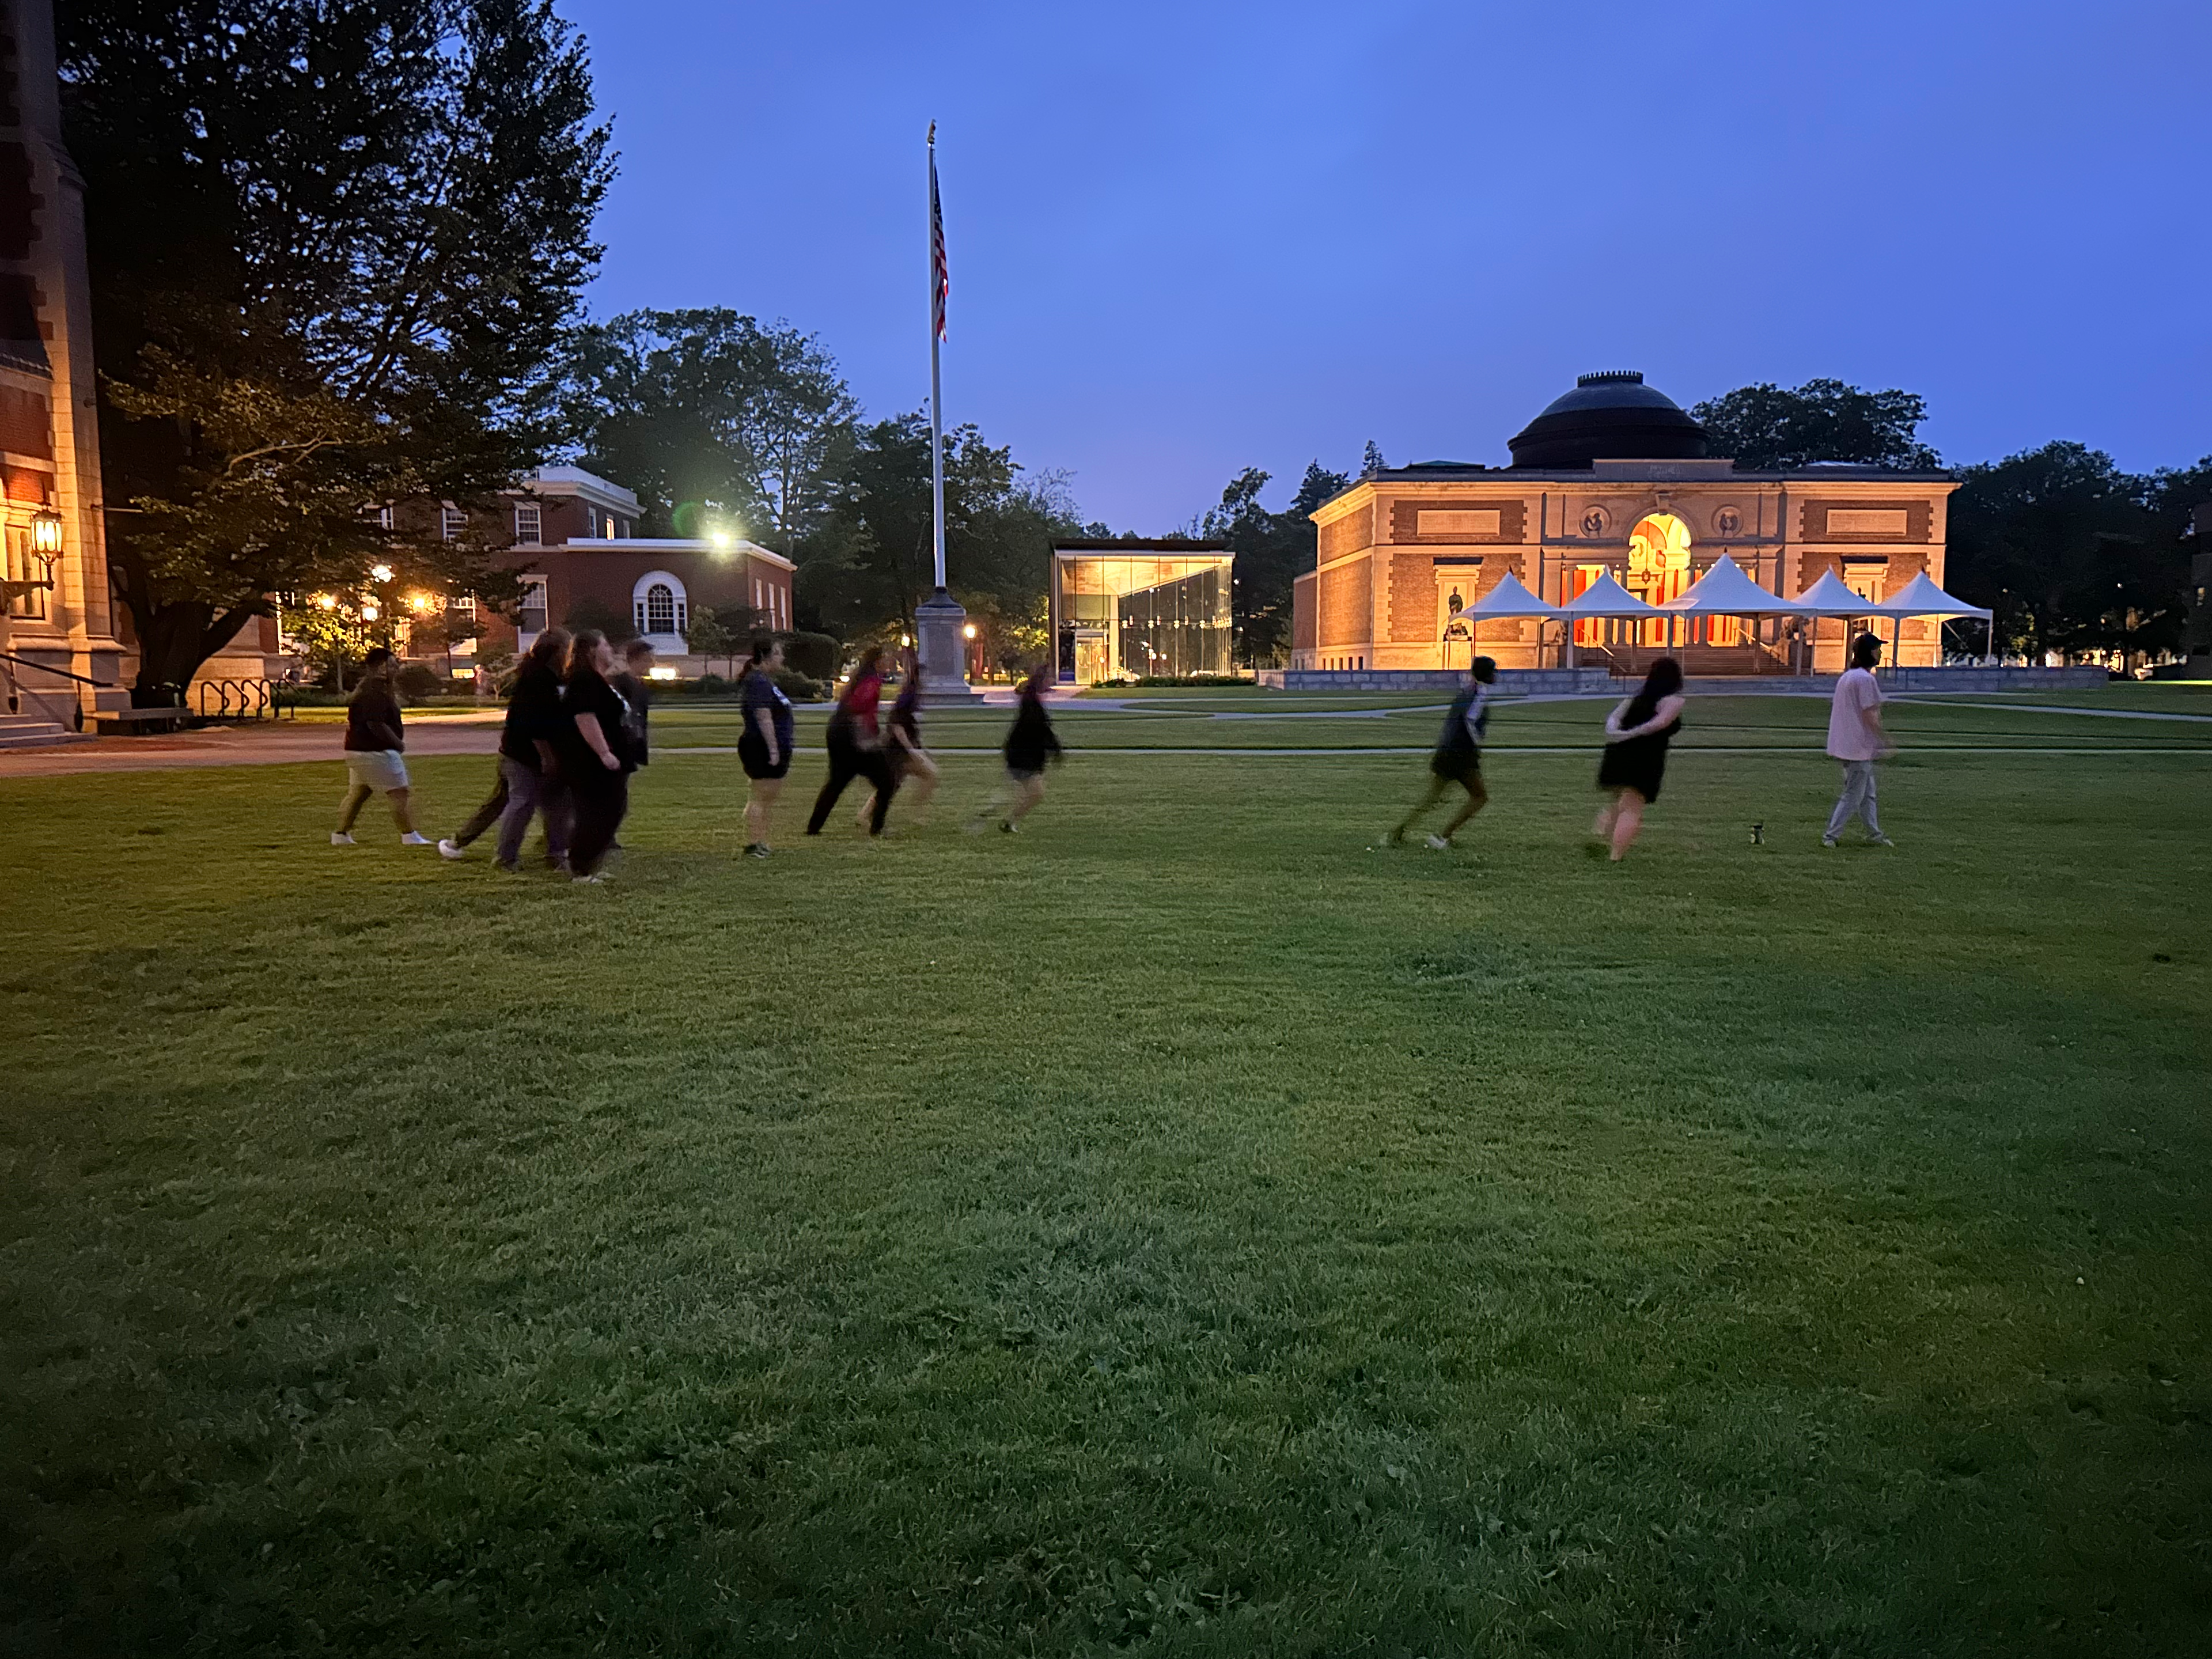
{"x": 1179, "y": 1229}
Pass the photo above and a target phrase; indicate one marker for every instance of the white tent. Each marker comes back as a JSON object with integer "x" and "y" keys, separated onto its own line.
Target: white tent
{"x": 1508, "y": 598}
{"x": 1922, "y": 597}
{"x": 1606, "y": 597}
{"x": 1726, "y": 591}
{"x": 1828, "y": 597}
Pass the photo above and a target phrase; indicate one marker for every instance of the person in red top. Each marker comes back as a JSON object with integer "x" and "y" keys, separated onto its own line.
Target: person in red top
{"x": 856, "y": 745}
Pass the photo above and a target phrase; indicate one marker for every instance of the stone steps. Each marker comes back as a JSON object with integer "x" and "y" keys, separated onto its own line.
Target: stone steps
{"x": 33, "y": 732}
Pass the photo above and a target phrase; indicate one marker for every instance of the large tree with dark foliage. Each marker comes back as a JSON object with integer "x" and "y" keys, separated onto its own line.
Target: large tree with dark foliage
{"x": 2073, "y": 554}
{"x": 1767, "y": 428}
{"x": 1272, "y": 550}
{"x": 335, "y": 244}
{"x": 871, "y": 560}
{"x": 705, "y": 412}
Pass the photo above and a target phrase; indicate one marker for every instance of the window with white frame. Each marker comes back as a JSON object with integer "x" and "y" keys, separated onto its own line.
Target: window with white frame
{"x": 25, "y": 565}
{"x": 452, "y": 523}
{"x": 529, "y": 524}
{"x": 660, "y": 607}
{"x": 383, "y": 518}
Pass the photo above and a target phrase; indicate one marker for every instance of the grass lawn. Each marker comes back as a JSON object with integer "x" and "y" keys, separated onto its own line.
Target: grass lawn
{"x": 1179, "y": 1229}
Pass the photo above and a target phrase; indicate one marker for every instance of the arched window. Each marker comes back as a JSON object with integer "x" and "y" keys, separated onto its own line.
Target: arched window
{"x": 660, "y": 610}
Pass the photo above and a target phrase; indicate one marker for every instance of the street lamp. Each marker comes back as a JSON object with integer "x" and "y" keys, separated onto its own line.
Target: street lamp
{"x": 47, "y": 534}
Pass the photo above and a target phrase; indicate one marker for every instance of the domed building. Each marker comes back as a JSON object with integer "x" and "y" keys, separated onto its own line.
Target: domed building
{"x": 1610, "y": 478}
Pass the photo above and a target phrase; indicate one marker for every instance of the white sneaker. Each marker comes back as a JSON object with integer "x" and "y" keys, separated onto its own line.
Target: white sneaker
{"x": 414, "y": 838}
{"x": 339, "y": 838}
{"x": 587, "y": 881}
{"x": 450, "y": 848}
{"x": 1438, "y": 844}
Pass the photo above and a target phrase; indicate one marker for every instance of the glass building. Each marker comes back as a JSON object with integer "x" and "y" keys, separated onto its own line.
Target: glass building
{"x": 1126, "y": 610}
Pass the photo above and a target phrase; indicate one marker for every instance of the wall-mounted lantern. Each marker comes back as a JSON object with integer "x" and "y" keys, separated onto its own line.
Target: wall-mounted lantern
{"x": 47, "y": 534}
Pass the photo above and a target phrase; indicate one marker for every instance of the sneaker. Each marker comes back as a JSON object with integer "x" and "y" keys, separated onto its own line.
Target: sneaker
{"x": 594, "y": 880}
{"x": 1008, "y": 827}
{"x": 339, "y": 838}
{"x": 450, "y": 848}
{"x": 1828, "y": 841}
{"x": 1437, "y": 844}
{"x": 756, "y": 850}
{"x": 1879, "y": 840}
{"x": 414, "y": 838}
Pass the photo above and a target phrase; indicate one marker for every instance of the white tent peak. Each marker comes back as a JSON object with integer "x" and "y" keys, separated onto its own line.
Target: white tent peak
{"x": 1828, "y": 597}
{"x": 1607, "y": 598}
{"x": 1922, "y": 597}
{"x": 1725, "y": 590}
{"x": 1508, "y": 598}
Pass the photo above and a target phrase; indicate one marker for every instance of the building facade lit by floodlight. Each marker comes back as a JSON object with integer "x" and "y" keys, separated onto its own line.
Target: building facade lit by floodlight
{"x": 1128, "y": 610}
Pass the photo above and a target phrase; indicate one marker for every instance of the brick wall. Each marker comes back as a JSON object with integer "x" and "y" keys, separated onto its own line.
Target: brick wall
{"x": 1347, "y": 604}
{"x": 1302, "y": 613}
{"x": 1413, "y": 598}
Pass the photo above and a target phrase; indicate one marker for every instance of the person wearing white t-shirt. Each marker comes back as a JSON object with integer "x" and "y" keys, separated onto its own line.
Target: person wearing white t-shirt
{"x": 1856, "y": 738}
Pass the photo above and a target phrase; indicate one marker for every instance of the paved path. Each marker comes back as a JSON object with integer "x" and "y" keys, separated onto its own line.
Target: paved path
{"x": 276, "y": 743}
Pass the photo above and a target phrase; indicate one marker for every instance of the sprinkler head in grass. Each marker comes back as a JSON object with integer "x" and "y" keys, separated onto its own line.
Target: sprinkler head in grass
{"x": 1758, "y": 835}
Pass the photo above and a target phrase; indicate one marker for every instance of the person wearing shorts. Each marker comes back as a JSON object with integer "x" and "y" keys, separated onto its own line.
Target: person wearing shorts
{"x": 764, "y": 741}
{"x": 1458, "y": 759}
{"x": 375, "y": 742}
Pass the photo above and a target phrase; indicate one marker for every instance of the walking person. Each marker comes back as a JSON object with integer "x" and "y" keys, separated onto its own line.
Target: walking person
{"x": 633, "y": 682}
{"x": 529, "y": 771}
{"x": 764, "y": 741}
{"x": 911, "y": 766}
{"x": 1857, "y": 738}
{"x": 1458, "y": 759}
{"x": 1029, "y": 746}
{"x": 594, "y": 753}
{"x": 1637, "y": 734}
{"x": 375, "y": 739}
{"x": 856, "y": 745}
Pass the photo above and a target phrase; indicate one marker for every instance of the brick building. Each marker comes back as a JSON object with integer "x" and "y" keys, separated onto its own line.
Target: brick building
{"x": 1611, "y": 478}
{"x": 56, "y": 618}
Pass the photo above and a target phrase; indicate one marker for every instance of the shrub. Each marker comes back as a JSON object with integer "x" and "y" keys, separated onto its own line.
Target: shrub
{"x": 419, "y": 680}
{"x": 814, "y": 656}
{"x": 799, "y": 688}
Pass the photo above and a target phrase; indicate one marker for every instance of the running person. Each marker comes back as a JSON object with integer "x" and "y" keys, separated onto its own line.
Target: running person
{"x": 1029, "y": 746}
{"x": 1636, "y": 737}
{"x": 595, "y": 754}
{"x": 375, "y": 740}
{"x": 1458, "y": 759}
{"x": 911, "y": 765}
{"x": 529, "y": 774}
{"x": 764, "y": 743}
{"x": 856, "y": 745}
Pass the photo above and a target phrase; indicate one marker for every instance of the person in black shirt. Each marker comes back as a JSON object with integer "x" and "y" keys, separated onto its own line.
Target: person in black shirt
{"x": 1458, "y": 759}
{"x": 374, "y": 739}
{"x": 593, "y": 753}
{"x": 764, "y": 741}
{"x": 529, "y": 776}
{"x": 1029, "y": 746}
{"x": 630, "y": 682}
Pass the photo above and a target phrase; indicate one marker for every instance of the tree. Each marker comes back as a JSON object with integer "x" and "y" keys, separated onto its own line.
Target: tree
{"x": 2074, "y": 555}
{"x": 706, "y": 410}
{"x": 1272, "y": 550}
{"x": 334, "y": 249}
{"x": 871, "y": 560}
{"x": 1370, "y": 460}
{"x": 1766, "y": 429}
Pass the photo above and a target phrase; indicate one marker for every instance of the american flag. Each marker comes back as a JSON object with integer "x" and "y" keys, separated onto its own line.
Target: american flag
{"x": 940, "y": 276}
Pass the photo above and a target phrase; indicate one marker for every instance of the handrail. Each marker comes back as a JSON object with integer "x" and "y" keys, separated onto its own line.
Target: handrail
{"x": 48, "y": 668}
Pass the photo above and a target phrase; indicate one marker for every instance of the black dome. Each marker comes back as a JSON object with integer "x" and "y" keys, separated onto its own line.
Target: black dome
{"x": 1609, "y": 417}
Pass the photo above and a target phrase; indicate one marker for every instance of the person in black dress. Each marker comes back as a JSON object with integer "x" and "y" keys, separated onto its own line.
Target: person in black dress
{"x": 1458, "y": 759}
{"x": 1029, "y": 746}
{"x": 594, "y": 752}
{"x": 1636, "y": 737}
{"x": 764, "y": 741}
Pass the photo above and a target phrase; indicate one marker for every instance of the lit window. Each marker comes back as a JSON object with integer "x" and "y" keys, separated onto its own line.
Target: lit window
{"x": 452, "y": 523}
{"x": 660, "y": 610}
{"x": 529, "y": 526}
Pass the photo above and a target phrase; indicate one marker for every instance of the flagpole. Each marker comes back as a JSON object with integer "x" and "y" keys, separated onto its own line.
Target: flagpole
{"x": 939, "y": 621}
{"x": 936, "y": 380}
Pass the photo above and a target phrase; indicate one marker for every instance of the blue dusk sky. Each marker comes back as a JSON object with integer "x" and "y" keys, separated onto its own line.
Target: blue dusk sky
{"x": 1188, "y": 238}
